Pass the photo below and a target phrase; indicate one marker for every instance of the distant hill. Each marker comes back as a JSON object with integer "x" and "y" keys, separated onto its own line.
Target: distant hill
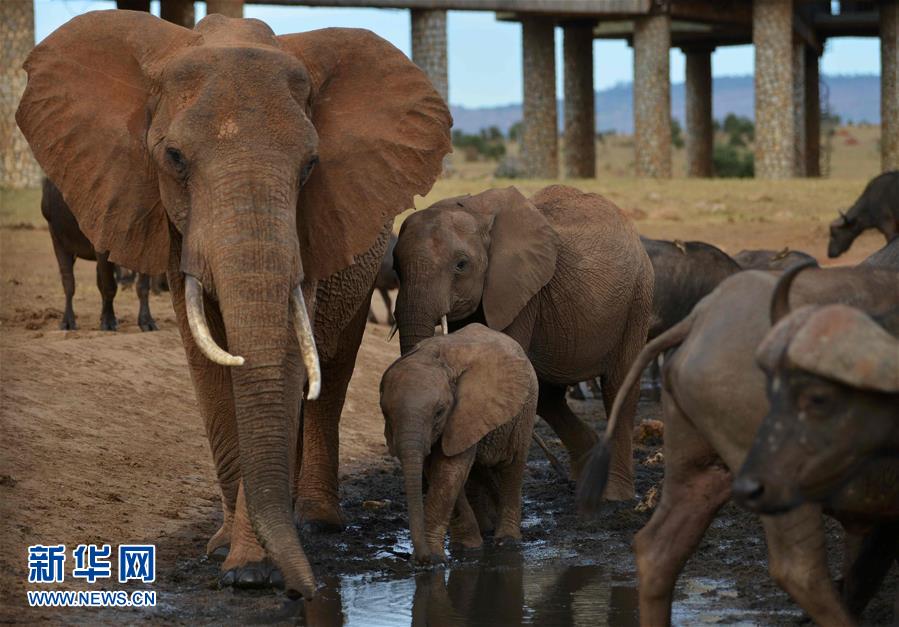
{"x": 853, "y": 98}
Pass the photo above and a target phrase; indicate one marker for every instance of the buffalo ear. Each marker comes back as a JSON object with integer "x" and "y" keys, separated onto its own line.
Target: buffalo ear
{"x": 522, "y": 255}
{"x": 843, "y": 343}
{"x": 85, "y": 115}
{"x": 495, "y": 384}
{"x": 383, "y": 131}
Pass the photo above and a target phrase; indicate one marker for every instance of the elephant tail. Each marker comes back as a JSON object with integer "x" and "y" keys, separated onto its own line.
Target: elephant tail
{"x": 595, "y": 474}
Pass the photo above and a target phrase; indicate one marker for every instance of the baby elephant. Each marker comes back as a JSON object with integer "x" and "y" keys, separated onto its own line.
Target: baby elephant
{"x": 457, "y": 401}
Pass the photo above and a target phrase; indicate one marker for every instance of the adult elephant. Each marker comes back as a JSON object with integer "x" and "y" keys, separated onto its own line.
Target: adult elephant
{"x": 192, "y": 152}
{"x": 563, "y": 273}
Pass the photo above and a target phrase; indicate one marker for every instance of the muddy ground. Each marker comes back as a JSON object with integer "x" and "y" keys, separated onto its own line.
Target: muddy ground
{"x": 102, "y": 443}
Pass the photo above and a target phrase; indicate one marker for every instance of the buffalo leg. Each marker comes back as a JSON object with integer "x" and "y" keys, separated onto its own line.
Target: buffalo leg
{"x": 868, "y": 564}
{"x": 106, "y": 283}
{"x": 576, "y": 436}
{"x": 144, "y": 319}
{"x": 695, "y": 487}
{"x": 66, "y": 263}
{"x": 797, "y": 561}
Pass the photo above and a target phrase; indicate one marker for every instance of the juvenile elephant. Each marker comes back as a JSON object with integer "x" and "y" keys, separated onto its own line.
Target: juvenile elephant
{"x": 262, "y": 173}
{"x": 713, "y": 400}
{"x": 877, "y": 208}
{"x": 562, "y": 273}
{"x": 69, "y": 243}
{"x": 457, "y": 401}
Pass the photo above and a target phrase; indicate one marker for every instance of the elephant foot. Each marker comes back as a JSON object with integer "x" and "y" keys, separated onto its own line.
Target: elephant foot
{"x": 109, "y": 323}
{"x": 219, "y": 545}
{"x": 147, "y": 324}
{"x": 619, "y": 488}
{"x": 507, "y": 540}
{"x": 252, "y": 576}
{"x": 316, "y": 516}
{"x": 434, "y": 558}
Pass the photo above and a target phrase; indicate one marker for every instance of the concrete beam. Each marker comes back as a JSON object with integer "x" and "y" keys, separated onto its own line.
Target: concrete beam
{"x": 18, "y": 168}
{"x": 580, "y": 112}
{"x": 179, "y": 12}
{"x": 652, "y": 96}
{"x": 812, "y": 115}
{"x": 799, "y": 144}
{"x": 429, "y": 47}
{"x": 230, "y": 8}
{"x": 700, "y": 134}
{"x": 889, "y": 85}
{"x": 772, "y": 36}
{"x": 540, "y": 141}
{"x": 572, "y": 8}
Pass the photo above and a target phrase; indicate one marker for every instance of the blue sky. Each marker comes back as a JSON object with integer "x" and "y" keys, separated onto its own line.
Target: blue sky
{"x": 485, "y": 55}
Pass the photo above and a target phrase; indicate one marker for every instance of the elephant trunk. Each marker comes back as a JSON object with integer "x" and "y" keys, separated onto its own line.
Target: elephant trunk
{"x": 256, "y": 285}
{"x": 414, "y": 321}
{"x": 412, "y": 459}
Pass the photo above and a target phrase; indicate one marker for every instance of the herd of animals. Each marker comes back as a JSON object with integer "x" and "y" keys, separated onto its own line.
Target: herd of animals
{"x": 780, "y": 383}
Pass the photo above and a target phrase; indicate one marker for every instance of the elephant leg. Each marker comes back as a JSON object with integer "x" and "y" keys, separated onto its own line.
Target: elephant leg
{"x": 108, "y": 287}
{"x": 695, "y": 486}
{"x": 868, "y": 564}
{"x": 144, "y": 318}
{"x": 797, "y": 561}
{"x": 446, "y": 482}
{"x": 509, "y": 478}
{"x": 317, "y": 499}
{"x": 247, "y": 564}
{"x": 464, "y": 530}
{"x": 576, "y": 436}
{"x": 66, "y": 262}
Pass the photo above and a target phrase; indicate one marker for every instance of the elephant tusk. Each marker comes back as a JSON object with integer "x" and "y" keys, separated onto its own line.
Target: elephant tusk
{"x": 196, "y": 319}
{"x": 393, "y": 331}
{"x": 444, "y": 325}
{"x": 307, "y": 343}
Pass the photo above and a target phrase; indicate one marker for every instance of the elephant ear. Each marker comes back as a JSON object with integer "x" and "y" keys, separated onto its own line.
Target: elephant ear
{"x": 844, "y": 344}
{"x": 494, "y": 383}
{"x": 522, "y": 256}
{"x": 85, "y": 115}
{"x": 383, "y": 131}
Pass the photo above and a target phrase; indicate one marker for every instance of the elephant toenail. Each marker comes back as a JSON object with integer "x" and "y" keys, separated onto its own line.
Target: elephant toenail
{"x": 227, "y": 579}
{"x": 251, "y": 578}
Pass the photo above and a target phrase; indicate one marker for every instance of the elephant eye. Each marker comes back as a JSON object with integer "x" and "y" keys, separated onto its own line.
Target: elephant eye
{"x": 461, "y": 265}
{"x": 179, "y": 163}
{"x": 307, "y": 170}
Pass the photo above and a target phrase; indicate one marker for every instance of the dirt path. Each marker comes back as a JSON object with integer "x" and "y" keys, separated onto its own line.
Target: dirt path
{"x": 102, "y": 443}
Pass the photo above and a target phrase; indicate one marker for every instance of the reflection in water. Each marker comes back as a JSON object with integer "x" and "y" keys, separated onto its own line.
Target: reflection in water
{"x": 499, "y": 589}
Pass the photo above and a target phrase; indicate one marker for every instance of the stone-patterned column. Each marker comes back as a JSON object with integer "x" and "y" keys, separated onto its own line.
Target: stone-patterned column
{"x": 134, "y": 5}
{"x": 540, "y": 134}
{"x": 429, "y": 46}
{"x": 580, "y": 112}
{"x": 18, "y": 168}
{"x": 652, "y": 96}
{"x": 230, "y": 8}
{"x": 700, "y": 134}
{"x": 799, "y": 109}
{"x": 812, "y": 115}
{"x": 180, "y": 12}
{"x": 889, "y": 85}
{"x": 772, "y": 36}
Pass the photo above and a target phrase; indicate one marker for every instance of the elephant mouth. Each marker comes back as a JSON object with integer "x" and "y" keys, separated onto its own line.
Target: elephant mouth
{"x": 199, "y": 329}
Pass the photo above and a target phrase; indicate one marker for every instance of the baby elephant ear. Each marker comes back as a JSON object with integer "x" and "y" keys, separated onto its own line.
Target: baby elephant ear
{"x": 85, "y": 115}
{"x": 842, "y": 343}
{"x": 522, "y": 255}
{"x": 495, "y": 383}
{"x": 383, "y": 131}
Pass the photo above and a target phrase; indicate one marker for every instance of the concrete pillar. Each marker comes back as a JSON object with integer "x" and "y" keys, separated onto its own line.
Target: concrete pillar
{"x": 229, "y": 8}
{"x": 889, "y": 85}
{"x": 772, "y": 36}
{"x": 799, "y": 109}
{"x": 580, "y": 112}
{"x": 18, "y": 168}
{"x": 540, "y": 135}
{"x": 652, "y": 96}
{"x": 180, "y": 12}
{"x": 429, "y": 46}
{"x": 134, "y": 5}
{"x": 700, "y": 134}
{"x": 812, "y": 115}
